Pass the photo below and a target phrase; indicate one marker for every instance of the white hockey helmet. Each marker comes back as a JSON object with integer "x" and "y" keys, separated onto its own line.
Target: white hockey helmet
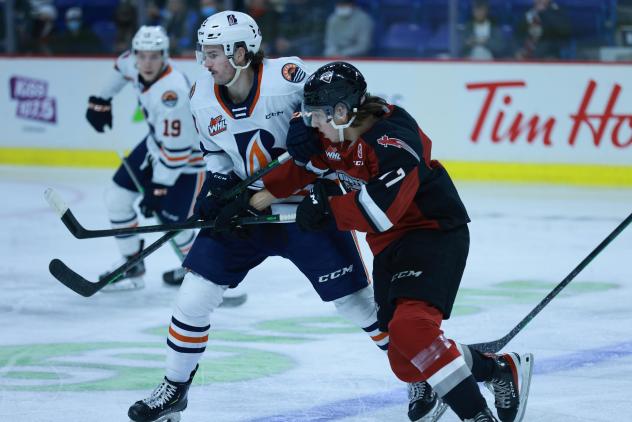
{"x": 230, "y": 29}
{"x": 151, "y": 38}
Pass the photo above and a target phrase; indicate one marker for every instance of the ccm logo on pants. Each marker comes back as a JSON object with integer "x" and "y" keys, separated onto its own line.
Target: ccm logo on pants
{"x": 404, "y": 274}
{"x": 335, "y": 274}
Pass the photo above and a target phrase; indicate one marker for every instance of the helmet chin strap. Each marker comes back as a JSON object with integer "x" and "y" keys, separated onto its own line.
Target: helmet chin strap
{"x": 341, "y": 128}
{"x": 238, "y": 70}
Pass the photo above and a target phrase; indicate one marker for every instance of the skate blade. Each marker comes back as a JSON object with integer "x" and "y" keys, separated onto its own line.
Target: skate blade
{"x": 526, "y": 362}
{"x": 125, "y": 285}
{"x": 435, "y": 413}
{"x": 172, "y": 417}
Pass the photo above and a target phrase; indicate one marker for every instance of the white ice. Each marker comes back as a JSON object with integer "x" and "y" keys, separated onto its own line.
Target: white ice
{"x": 284, "y": 355}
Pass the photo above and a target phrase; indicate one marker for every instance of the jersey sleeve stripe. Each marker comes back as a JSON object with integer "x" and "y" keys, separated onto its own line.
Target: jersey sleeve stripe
{"x": 375, "y": 214}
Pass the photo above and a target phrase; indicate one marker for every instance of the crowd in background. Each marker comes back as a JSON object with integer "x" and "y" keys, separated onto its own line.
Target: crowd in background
{"x": 473, "y": 29}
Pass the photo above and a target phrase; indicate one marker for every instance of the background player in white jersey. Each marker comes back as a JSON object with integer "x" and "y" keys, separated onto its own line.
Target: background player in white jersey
{"x": 166, "y": 162}
{"x": 242, "y": 109}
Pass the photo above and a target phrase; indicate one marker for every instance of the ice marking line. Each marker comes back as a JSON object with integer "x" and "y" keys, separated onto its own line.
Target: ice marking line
{"x": 356, "y": 406}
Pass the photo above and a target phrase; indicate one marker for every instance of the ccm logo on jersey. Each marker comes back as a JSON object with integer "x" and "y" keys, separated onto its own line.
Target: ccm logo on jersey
{"x": 274, "y": 114}
{"x": 386, "y": 141}
{"x": 217, "y": 125}
{"x": 170, "y": 99}
{"x": 406, "y": 274}
{"x": 335, "y": 274}
{"x": 333, "y": 154}
{"x": 293, "y": 73}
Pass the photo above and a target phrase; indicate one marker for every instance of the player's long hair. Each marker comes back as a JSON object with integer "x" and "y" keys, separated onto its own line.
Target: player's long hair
{"x": 372, "y": 106}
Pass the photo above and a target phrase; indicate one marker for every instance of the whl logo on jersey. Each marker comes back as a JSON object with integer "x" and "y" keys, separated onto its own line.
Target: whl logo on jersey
{"x": 334, "y": 275}
{"x": 333, "y": 154}
{"x": 217, "y": 125}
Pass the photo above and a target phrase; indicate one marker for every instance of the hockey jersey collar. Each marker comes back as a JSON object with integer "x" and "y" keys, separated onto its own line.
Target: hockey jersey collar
{"x": 145, "y": 87}
{"x": 244, "y": 109}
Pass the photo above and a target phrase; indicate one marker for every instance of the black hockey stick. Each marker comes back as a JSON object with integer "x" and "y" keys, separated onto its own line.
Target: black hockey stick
{"x": 497, "y": 345}
{"x": 80, "y": 232}
{"x": 77, "y": 283}
{"x": 86, "y": 288}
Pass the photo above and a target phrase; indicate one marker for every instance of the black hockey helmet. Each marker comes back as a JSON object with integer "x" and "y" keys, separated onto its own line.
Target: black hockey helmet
{"x": 331, "y": 84}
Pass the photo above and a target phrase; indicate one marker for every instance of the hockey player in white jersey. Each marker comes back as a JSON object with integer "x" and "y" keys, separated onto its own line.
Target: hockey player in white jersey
{"x": 167, "y": 162}
{"x": 242, "y": 109}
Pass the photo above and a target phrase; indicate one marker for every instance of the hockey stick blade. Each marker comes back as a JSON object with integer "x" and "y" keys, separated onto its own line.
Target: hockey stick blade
{"x": 72, "y": 280}
{"x": 496, "y": 345}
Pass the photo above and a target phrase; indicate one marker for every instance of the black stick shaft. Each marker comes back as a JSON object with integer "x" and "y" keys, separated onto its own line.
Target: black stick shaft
{"x": 496, "y": 345}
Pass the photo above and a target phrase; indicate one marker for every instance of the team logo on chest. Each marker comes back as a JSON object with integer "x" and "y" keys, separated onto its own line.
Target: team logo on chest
{"x": 170, "y": 98}
{"x": 333, "y": 154}
{"x": 217, "y": 125}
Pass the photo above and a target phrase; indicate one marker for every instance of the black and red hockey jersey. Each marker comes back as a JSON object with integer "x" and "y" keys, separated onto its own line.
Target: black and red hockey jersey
{"x": 392, "y": 184}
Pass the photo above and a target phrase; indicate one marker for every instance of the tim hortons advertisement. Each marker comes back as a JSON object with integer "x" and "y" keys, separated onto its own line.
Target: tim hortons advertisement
{"x": 484, "y": 112}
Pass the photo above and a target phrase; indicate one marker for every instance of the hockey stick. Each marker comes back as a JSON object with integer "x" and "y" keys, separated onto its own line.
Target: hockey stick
{"x": 80, "y": 232}
{"x": 86, "y": 288}
{"x": 77, "y": 230}
{"x": 496, "y": 345}
{"x": 229, "y": 301}
{"x": 75, "y": 282}
{"x": 140, "y": 189}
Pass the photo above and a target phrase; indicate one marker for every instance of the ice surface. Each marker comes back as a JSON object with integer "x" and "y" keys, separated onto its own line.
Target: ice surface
{"x": 284, "y": 355}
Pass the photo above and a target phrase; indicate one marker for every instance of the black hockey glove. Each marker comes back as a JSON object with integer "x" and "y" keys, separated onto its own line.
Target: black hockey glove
{"x": 152, "y": 199}
{"x": 313, "y": 213}
{"x": 208, "y": 202}
{"x": 239, "y": 207}
{"x": 302, "y": 142}
{"x": 99, "y": 113}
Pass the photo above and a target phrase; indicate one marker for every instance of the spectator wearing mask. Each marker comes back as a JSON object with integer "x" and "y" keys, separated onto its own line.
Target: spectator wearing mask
{"x": 349, "y": 31}
{"x": 482, "y": 38}
{"x": 206, "y": 8}
{"x": 543, "y": 32}
{"x": 41, "y": 26}
{"x": 77, "y": 39}
{"x": 178, "y": 20}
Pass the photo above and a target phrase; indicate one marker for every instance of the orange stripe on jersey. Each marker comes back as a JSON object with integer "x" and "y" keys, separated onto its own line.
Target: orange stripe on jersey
{"x": 379, "y": 337}
{"x": 187, "y": 339}
{"x": 254, "y": 101}
{"x": 162, "y": 75}
{"x": 170, "y": 158}
{"x": 218, "y": 95}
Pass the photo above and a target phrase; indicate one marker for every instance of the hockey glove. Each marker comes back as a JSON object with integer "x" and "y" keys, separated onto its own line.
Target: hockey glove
{"x": 302, "y": 142}
{"x": 99, "y": 113}
{"x": 239, "y": 207}
{"x": 208, "y": 202}
{"x": 313, "y": 213}
{"x": 152, "y": 199}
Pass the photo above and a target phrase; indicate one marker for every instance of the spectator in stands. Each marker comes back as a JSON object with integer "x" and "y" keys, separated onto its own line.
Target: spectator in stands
{"x": 41, "y": 25}
{"x": 301, "y": 29}
{"x": 178, "y": 19}
{"x": 349, "y": 31}
{"x": 481, "y": 38}
{"x": 268, "y": 20}
{"x": 543, "y": 32}
{"x": 125, "y": 20}
{"x": 205, "y": 8}
{"x": 77, "y": 39}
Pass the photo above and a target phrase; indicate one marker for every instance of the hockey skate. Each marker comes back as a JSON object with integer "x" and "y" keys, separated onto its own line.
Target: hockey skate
{"x": 165, "y": 404}
{"x": 510, "y": 385}
{"x": 132, "y": 279}
{"x": 174, "y": 277}
{"x": 424, "y": 405}
{"x": 484, "y": 416}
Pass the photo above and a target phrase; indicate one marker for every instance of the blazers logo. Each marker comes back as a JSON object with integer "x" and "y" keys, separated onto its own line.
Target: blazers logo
{"x": 293, "y": 73}
{"x": 217, "y": 125}
{"x": 170, "y": 98}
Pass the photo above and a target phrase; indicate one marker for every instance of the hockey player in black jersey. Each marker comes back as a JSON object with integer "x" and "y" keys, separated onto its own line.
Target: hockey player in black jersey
{"x": 416, "y": 227}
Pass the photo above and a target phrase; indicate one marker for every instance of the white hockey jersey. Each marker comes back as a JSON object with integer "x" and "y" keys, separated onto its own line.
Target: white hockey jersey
{"x": 245, "y": 137}
{"x": 172, "y": 141}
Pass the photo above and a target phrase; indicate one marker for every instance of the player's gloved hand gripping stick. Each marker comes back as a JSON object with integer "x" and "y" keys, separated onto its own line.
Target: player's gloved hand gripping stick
{"x": 86, "y": 288}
